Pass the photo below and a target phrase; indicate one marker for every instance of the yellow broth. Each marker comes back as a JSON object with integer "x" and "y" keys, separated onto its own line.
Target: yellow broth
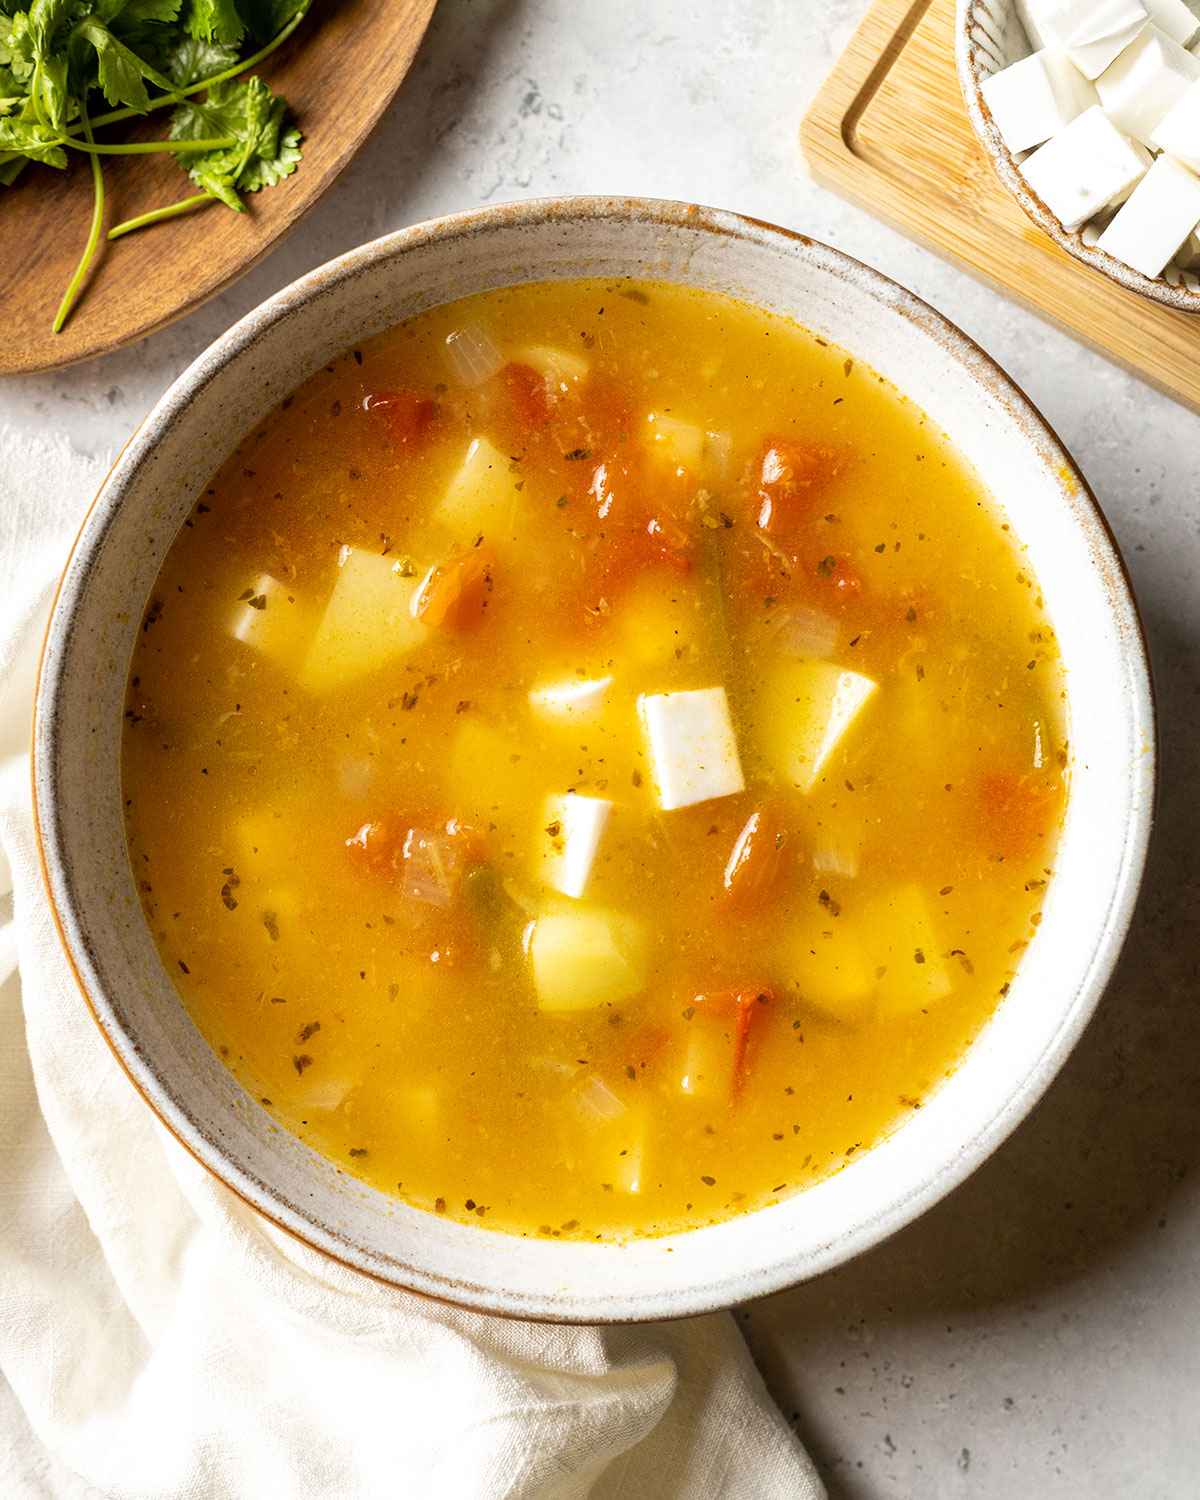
{"x": 593, "y": 1016}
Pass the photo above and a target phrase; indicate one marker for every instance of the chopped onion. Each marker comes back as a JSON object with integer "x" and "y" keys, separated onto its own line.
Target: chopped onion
{"x": 807, "y": 633}
{"x": 718, "y": 454}
{"x": 354, "y": 776}
{"x": 835, "y": 859}
{"x": 434, "y": 864}
{"x": 597, "y": 1100}
{"x": 472, "y": 354}
{"x": 1039, "y": 752}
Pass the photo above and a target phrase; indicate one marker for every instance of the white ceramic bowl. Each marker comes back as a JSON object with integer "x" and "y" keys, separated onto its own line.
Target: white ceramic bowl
{"x": 112, "y": 570}
{"x": 988, "y": 37}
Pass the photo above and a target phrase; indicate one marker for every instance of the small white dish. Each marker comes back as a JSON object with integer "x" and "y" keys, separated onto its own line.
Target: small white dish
{"x": 111, "y": 573}
{"x": 988, "y": 37}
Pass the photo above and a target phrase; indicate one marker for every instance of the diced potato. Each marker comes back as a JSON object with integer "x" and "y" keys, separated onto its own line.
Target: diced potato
{"x": 709, "y": 1059}
{"x": 562, "y": 367}
{"x": 587, "y": 957}
{"x": 665, "y": 627}
{"x": 366, "y": 625}
{"x": 804, "y": 711}
{"x": 692, "y": 747}
{"x": 686, "y": 445}
{"x": 491, "y": 775}
{"x": 826, "y": 961}
{"x": 906, "y": 947}
{"x": 267, "y": 861}
{"x": 567, "y": 841}
{"x": 679, "y": 444}
{"x": 321, "y": 1090}
{"x": 571, "y": 700}
{"x": 271, "y": 622}
{"x": 482, "y": 499}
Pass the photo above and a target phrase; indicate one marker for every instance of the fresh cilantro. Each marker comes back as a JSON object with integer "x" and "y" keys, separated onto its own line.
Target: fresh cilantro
{"x": 215, "y": 21}
{"x": 59, "y": 59}
{"x": 259, "y": 157}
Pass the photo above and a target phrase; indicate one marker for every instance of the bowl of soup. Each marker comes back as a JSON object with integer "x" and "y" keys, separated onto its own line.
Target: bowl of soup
{"x": 593, "y": 758}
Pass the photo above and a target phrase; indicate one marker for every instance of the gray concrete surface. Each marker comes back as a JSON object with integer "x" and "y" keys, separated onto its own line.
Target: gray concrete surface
{"x": 1038, "y": 1334}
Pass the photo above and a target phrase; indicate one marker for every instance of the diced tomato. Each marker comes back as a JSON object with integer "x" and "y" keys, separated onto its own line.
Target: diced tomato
{"x": 1016, "y": 812}
{"x": 745, "y": 1004}
{"x": 840, "y": 577}
{"x": 455, "y": 594}
{"x": 530, "y": 394}
{"x": 788, "y": 478}
{"x": 624, "y": 552}
{"x": 669, "y": 543}
{"x": 409, "y": 416}
{"x": 396, "y": 846}
{"x": 757, "y": 860}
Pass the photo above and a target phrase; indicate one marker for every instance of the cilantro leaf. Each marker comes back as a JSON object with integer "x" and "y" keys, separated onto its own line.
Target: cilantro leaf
{"x": 267, "y": 18}
{"x": 190, "y": 59}
{"x": 215, "y": 21}
{"x": 247, "y": 110}
{"x": 134, "y": 12}
{"x": 276, "y": 156}
{"x": 32, "y": 139}
{"x": 121, "y": 72}
{"x": 17, "y": 47}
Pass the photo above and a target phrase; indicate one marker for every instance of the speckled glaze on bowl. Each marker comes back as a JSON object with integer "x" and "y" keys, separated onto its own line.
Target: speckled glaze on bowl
{"x": 79, "y": 712}
{"x": 988, "y": 37}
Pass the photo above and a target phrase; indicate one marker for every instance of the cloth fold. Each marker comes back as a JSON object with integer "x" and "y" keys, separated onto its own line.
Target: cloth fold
{"x": 160, "y": 1341}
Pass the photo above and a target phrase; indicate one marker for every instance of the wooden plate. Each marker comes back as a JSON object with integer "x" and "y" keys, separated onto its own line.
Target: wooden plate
{"x": 338, "y": 73}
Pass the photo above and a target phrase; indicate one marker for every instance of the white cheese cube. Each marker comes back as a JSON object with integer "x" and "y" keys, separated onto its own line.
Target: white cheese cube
{"x": 1178, "y": 20}
{"x": 1084, "y": 168}
{"x": 561, "y": 367}
{"x": 586, "y": 957}
{"x": 568, "y": 839}
{"x": 1145, "y": 82}
{"x": 268, "y": 619}
{"x": 805, "y": 710}
{"x": 1178, "y": 132}
{"x": 482, "y": 498}
{"x": 1093, "y": 32}
{"x": 1034, "y": 16}
{"x": 1036, "y": 97}
{"x": 1162, "y": 211}
{"x": 693, "y": 750}
{"x": 576, "y": 698}
{"x": 1189, "y": 253}
{"x": 367, "y": 623}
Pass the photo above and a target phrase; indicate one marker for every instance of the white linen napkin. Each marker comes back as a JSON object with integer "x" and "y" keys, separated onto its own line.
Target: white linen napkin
{"x": 160, "y": 1341}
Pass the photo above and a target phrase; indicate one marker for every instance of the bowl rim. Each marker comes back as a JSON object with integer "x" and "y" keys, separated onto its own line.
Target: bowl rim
{"x": 1018, "y": 1096}
{"x": 1180, "y": 298}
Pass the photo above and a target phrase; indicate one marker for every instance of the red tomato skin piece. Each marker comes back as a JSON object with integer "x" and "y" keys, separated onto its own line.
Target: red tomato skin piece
{"x": 455, "y": 594}
{"x": 745, "y": 1003}
{"x": 789, "y": 476}
{"x": 409, "y": 417}
{"x": 531, "y": 397}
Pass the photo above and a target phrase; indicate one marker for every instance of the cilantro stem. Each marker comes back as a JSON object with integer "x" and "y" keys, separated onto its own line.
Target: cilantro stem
{"x": 175, "y": 97}
{"x": 75, "y": 285}
{"x": 146, "y": 148}
{"x": 159, "y": 215}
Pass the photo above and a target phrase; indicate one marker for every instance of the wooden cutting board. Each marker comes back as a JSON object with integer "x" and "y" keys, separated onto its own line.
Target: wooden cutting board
{"x": 889, "y": 131}
{"x": 338, "y": 72}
